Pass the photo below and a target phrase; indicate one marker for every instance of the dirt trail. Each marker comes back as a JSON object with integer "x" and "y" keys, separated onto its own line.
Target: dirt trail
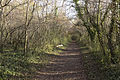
{"x": 67, "y": 66}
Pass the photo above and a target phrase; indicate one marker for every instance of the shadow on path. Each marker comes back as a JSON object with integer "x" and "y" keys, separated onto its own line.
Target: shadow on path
{"x": 66, "y": 66}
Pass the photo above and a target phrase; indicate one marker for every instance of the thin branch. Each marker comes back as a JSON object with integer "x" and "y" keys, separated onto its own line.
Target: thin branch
{"x": 32, "y": 14}
{"x": 5, "y": 3}
{"x": 14, "y": 8}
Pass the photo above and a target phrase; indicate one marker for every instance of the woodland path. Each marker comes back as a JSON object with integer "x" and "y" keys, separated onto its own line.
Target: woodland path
{"x": 66, "y": 66}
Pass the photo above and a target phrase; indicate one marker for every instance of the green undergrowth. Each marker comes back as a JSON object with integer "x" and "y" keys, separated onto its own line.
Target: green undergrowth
{"x": 97, "y": 65}
{"x": 16, "y": 64}
{"x": 99, "y": 70}
{"x": 111, "y": 71}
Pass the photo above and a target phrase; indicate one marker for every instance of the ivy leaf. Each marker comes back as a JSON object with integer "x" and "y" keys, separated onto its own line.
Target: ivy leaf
{"x": 75, "y": 1}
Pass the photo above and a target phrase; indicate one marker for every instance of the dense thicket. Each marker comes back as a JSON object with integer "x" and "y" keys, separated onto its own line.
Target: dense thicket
{"x": 101, "y": 20}
{"x": 28, "y": 24}
{"x": 28, "y": 28}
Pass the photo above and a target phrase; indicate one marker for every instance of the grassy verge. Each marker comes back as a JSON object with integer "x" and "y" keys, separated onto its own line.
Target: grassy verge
{"x": 16, "y": 64}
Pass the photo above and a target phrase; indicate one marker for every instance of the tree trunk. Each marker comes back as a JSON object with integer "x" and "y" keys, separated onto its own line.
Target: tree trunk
{"x": 111, "y": 30}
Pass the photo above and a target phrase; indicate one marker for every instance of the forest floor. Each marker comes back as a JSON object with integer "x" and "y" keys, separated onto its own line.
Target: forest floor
{"x": 71, "y": 64}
